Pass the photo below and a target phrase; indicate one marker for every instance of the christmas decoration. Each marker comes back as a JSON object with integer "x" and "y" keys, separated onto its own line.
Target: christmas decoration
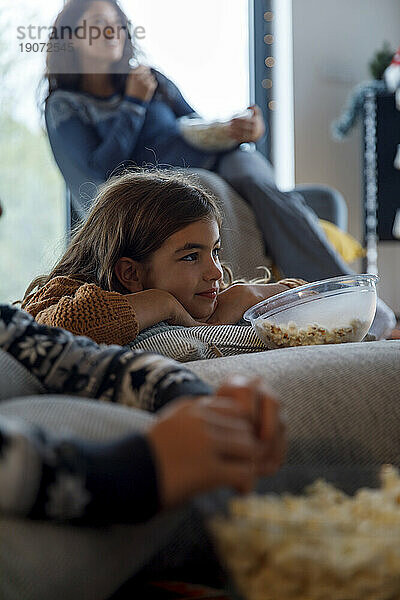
{"x": 380, "y": 61}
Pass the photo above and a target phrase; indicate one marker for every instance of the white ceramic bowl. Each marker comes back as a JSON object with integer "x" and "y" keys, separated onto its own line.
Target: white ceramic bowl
{"x": 336, "y": 310}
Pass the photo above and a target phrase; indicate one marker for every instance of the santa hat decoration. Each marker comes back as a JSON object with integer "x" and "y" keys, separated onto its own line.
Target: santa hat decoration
{"x": 392, "y": 73}
{"x": 396, "y": 58}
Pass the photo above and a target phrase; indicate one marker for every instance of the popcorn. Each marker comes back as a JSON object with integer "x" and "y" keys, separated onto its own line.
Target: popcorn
{"x": 209, "y": 135}
{"x": 285, "y": 335}
{"x": 323, "y": 545}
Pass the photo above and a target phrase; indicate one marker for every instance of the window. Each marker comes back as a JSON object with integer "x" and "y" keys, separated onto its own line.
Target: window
{"x": 202, "y": 46}
{"x": 31, "y": 188}
{"x": 283, "y": 116}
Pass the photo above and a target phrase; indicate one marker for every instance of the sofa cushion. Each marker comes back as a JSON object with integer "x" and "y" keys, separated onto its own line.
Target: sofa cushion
{"x": 344, "y": 243}
{"x": 342, "y": 405}
{"x": 342, "y": 401}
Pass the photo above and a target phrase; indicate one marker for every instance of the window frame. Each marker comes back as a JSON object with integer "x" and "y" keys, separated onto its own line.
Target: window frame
{"x": 258, "y": 70}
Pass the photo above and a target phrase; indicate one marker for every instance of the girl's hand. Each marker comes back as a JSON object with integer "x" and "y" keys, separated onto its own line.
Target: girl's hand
{"x": 291, "y": 282}
{"x": 235, "y": 300}
{"x": 153, "y": 306}
{"x": 202, "y": 444}
{"x": 178, "y": 315}
{"x": 263, "y": 411}
{"x": 141, "y": 83}
{"x": 248, "y": 129}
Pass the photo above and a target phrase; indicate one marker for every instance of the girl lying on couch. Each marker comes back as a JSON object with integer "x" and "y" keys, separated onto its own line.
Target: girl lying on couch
{"x": 148, "y": 252}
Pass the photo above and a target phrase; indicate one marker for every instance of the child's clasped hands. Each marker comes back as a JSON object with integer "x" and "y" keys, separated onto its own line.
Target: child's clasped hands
{"x": 228, "y": 439}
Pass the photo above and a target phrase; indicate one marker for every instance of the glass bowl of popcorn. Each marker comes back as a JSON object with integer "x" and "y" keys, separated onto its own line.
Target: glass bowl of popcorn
{"x": 336, "y": 538}
{"x": 331, "y": 311}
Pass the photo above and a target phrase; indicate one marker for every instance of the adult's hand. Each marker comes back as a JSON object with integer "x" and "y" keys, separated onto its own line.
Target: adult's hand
{"x": 248, "y": 129}
{"x": 141, "y": 83}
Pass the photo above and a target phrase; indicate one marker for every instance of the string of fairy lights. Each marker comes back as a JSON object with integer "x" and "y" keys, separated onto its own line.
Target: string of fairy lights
{"x": 267, "y": 82}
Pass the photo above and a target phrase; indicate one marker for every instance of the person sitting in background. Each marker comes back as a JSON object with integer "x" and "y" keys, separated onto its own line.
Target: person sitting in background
{"x": 103, "y": 114}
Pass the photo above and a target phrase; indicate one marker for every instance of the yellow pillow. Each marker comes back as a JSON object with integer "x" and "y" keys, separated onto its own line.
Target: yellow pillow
{"x": 348, "y": 247}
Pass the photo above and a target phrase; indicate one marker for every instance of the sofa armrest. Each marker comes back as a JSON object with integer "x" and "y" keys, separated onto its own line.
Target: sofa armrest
{"x": 326, "y": 202}
{"x": 341, "y": 400}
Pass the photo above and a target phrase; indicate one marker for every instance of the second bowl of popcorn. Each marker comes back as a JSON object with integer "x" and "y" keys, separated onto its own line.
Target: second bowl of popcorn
{"x": 332, "y": 311}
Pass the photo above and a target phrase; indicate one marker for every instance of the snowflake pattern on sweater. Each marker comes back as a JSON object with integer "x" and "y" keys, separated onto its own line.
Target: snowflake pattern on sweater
{"x": 46, "y": 476}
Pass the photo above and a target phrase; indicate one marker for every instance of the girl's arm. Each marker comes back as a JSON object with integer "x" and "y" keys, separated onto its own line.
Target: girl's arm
{"x": 85, "y": 309}
{"x": 73, "y": 365}
{"x": 237, "y": 298}
{"x": 105, "y": 317}
{"x": 76, "y": 144}
{"x": 152, "y": 306}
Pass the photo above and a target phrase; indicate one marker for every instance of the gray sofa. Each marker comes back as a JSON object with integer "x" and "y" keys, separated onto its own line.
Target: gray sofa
{"x": 342, "y": 404}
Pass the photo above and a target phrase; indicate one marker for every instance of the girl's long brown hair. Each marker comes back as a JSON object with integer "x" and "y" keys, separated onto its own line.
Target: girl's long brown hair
{"x": 133, "y": 215}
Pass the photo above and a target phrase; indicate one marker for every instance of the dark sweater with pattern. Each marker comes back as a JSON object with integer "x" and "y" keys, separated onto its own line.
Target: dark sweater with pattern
{"x": 65, "y": 478}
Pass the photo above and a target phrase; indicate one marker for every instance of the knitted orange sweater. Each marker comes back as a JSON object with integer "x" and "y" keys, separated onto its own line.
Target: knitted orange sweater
{"x": 84, "y": 309}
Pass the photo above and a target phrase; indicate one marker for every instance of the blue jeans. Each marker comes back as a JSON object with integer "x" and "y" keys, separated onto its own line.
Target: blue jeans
{"x": 291, "y": 231}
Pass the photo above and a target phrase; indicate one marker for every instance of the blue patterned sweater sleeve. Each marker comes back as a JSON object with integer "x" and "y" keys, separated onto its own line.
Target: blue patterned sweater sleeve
{"x": 74, "y": 129}
{"x": 43, "y": 476}
{"x": 46, "y": 476}
{"x": 68, "y": 364}
{"x": 76, "y": 142}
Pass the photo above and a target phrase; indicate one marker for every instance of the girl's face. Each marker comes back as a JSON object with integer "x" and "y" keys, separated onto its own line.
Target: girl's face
{"x": 187, "y": 265}
{"x": 104, "y": 40}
